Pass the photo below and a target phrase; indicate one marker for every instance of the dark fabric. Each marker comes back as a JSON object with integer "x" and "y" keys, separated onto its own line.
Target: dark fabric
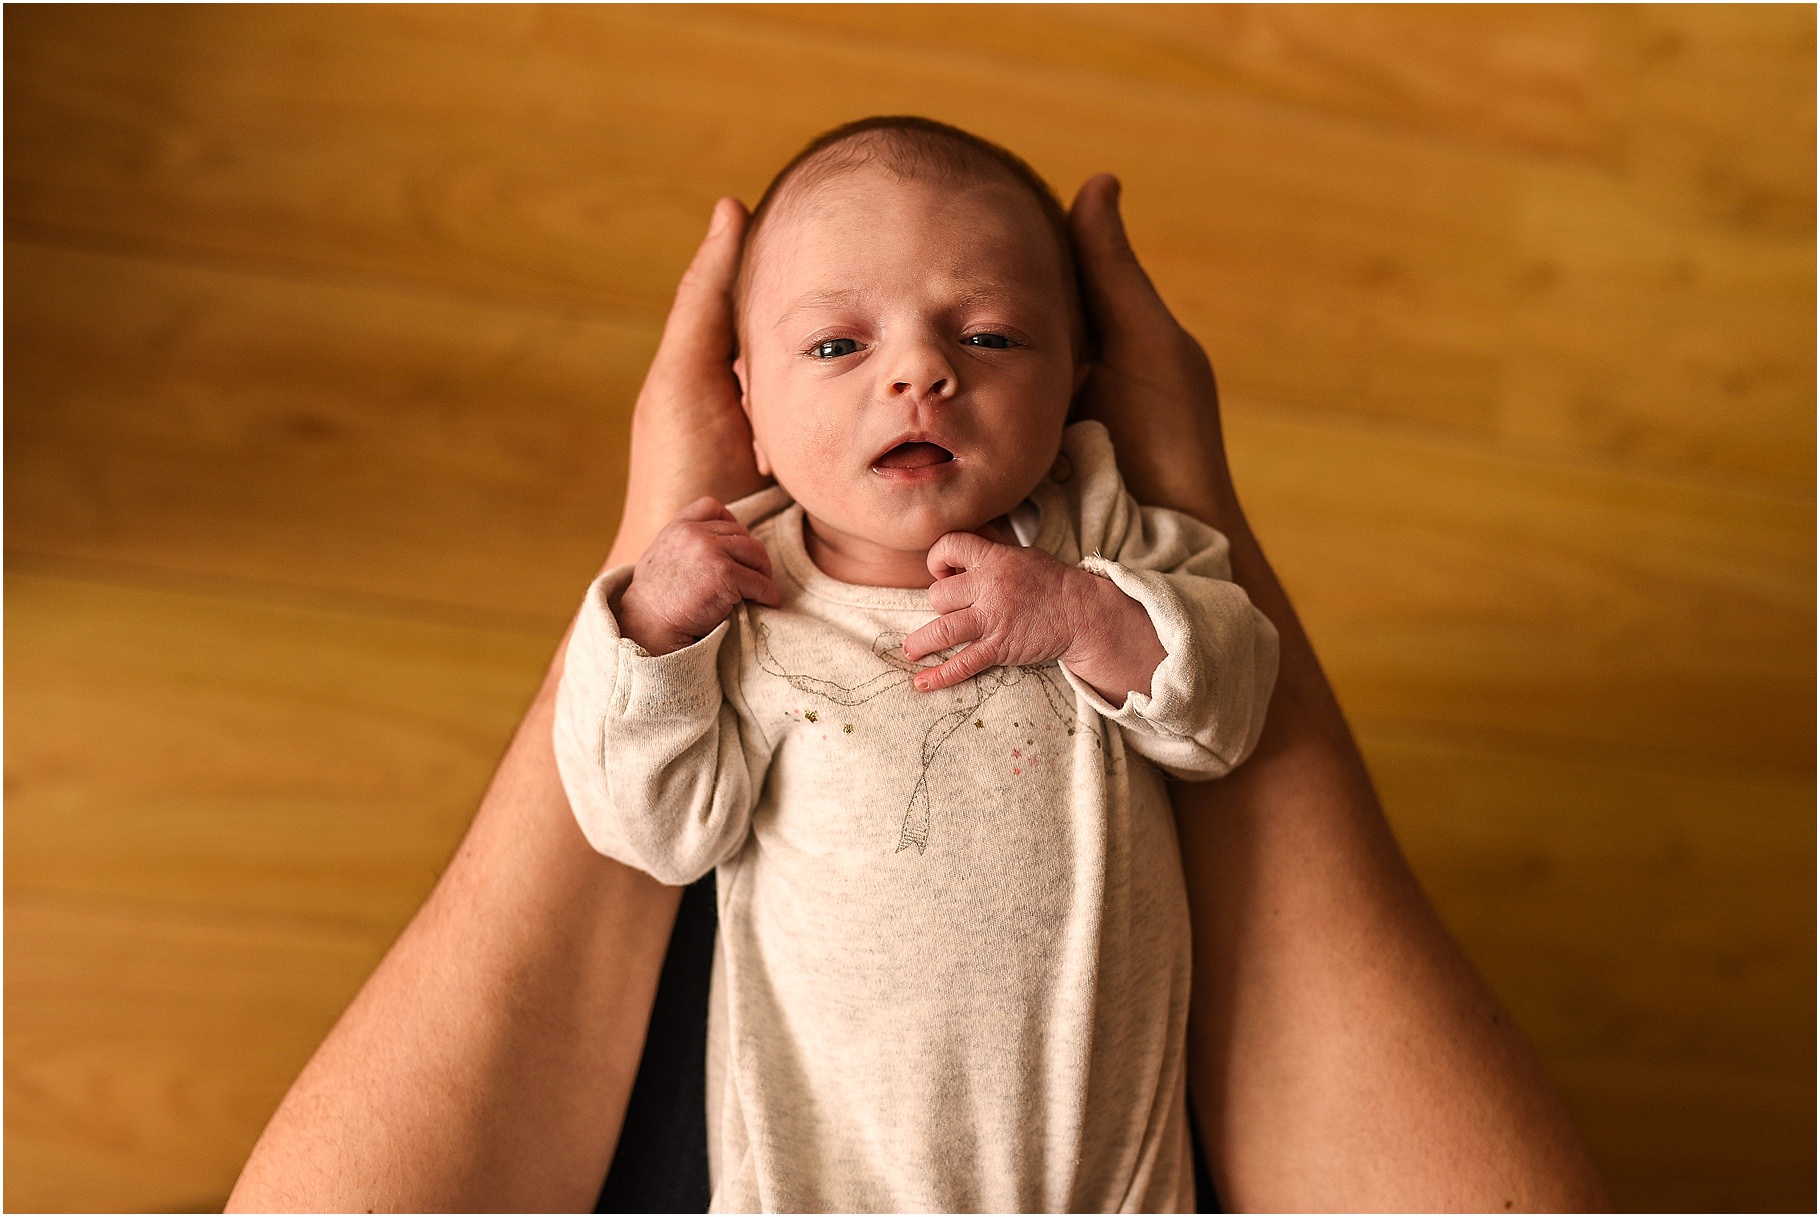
{"x": 662, "y": 1162}
{"x": 1206, "y": 1200}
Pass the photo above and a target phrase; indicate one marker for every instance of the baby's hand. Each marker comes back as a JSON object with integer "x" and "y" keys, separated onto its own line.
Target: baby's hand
{"x": 702, "y": 564}
{"x": 1017, "y": 606}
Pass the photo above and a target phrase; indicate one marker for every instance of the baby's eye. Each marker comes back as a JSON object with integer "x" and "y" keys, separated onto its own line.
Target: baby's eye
{"x": 996, "y": 342}
{"x": 834, "y": 348}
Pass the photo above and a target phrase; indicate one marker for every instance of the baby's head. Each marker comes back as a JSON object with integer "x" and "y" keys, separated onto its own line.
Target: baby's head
{"x": 910, "y": 332}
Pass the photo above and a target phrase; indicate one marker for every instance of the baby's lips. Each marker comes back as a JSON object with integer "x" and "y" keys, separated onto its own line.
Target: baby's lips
{"x": 913, "y": 454}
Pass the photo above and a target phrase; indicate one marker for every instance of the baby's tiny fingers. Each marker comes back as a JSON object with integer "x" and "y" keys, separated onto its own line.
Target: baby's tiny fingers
{"x": 954, "y": 592}
{"x": 747, "y": 550}
{"x": 705, "y": 508}
{"x": 942, "y": 633}
{"x": 993, "y": 533}
{"x": 756, "y": 587}
{"x": 970, "y": 662}
{"x": 954, "y": 552}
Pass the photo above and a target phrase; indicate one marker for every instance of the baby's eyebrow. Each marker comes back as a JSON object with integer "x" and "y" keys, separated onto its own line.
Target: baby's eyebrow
{"x": 822, "y": 299}
{"x": 985, "y": 294}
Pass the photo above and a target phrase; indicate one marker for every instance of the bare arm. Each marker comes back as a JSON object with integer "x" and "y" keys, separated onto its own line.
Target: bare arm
{"x": 1343, "y": 1052}
{"x": 487, "y": 1062}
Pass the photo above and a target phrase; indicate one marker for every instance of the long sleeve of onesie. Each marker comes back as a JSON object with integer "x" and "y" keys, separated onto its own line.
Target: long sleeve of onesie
{"x": 1205, "y": 708}
{"x": 656, "y": 766}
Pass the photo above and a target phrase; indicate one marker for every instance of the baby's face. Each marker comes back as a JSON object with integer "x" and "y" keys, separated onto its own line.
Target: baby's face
{"x": 907, "y": 357}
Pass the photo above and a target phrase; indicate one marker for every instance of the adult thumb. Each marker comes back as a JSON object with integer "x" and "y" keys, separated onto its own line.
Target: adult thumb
{"x": 1119, "y": 293}
{"x": 699, "y": 329}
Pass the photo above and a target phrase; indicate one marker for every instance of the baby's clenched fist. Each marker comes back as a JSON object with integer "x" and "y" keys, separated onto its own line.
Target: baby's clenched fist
{"x": 695, "y": 571}
{"x": 1014, "y": 606}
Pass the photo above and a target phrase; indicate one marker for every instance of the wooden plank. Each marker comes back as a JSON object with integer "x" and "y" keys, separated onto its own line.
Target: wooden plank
{"x": 1748, "y": 1148}
{"x": 220, "y": 812}
{"x": 1648, "y": 919}
{"x": 1521, "y": 76}
{"x": 333, "y": 436}
{"x": 1515, "y": 312}
{"x": 1693, "y": 871}
{"x": 1375, "y": 267}
{"x": 280, "y": 784}
{"x": 182, "y": 749}
{"x": 146, "y": 1046}
{"x": 336, "y": 435}
{"x": 1669, "y": 96}
{"x": 1634, "y": 335}
{"x": 1450, "y": 586}
{"x": 1716, "y": 103}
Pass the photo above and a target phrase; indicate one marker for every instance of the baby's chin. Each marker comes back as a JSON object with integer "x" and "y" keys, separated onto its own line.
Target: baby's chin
{"x": 919, "y": 535}
{"x": 905, "y": 536}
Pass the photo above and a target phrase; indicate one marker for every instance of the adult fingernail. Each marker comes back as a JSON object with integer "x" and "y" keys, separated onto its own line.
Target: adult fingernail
{"x": 722, "y": 217}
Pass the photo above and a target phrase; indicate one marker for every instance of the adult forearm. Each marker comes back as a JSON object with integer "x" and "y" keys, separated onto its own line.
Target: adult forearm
{"x": 1344, "y": 1052}
{"x": 487, "y": 1062}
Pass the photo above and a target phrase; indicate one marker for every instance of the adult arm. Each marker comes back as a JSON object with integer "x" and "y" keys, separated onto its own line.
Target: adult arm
{"x": 1342, "y": 1051}
{"x": 486, "y": 1063}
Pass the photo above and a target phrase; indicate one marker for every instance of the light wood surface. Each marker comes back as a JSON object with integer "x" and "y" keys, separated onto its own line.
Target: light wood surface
{"x": 322, "y": 329}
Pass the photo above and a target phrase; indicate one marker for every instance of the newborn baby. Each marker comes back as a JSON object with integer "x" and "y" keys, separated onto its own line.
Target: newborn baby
{"x": 912, "y": 703}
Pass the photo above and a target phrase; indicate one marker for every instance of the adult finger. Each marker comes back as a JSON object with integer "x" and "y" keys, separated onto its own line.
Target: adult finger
{"x": 1119, "y": 295}
{"x": 946, "y": 631}
{"x": 1151, "y": 384}
{"x": 954, "y": 552}
{"x": 699, "y": 329}
{"x": 970, "y": 662}
{"x": 688, "y": 432}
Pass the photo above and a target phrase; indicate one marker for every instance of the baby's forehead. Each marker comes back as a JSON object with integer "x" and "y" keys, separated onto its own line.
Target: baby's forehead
{"x": 830, "y": 197}
{"x": 828, "y": 212}
{"x": 840, "y": 208}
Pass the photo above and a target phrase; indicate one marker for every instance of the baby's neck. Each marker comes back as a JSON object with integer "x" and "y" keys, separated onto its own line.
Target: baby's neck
{"x": 866, "y": 563}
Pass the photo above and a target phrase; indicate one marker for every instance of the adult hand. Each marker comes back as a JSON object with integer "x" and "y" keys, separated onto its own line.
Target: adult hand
{"x": 1342, "y": 1053}
{"x": 1151, "y": 383}
{"x": 689, "y": 436}
{"x": 485, "y": 1065}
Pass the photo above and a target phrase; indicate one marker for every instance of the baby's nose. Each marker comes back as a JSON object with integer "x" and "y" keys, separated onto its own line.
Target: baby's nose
{"x": 937, "y": 386}
{"x": 920, "y": 371}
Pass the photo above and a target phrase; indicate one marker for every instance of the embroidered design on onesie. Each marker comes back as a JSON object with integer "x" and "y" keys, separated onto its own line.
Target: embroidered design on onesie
{"x": 839, "y": 694}
{"x": 888, "y": 648}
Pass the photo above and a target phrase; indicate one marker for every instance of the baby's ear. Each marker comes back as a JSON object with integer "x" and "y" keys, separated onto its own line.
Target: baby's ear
{"x": 739, "y": 374}
{"x": 745, "y": 403}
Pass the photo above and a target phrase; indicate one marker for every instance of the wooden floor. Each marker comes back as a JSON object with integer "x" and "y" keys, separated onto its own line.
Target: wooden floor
{"x": 322, "y": 326}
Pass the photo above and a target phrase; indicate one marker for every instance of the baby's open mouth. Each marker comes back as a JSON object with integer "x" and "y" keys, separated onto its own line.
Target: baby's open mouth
{"x": 914, "y": 455}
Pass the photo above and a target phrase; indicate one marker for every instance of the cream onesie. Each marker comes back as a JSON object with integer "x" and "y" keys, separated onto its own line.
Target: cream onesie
{"x": 952, "y": 965}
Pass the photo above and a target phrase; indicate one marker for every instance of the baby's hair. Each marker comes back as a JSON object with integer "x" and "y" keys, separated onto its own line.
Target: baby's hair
{"x": 913, "y": 149}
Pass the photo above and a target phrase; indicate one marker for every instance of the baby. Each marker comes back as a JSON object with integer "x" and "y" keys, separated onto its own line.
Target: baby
{"x": 911, "y": 703}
